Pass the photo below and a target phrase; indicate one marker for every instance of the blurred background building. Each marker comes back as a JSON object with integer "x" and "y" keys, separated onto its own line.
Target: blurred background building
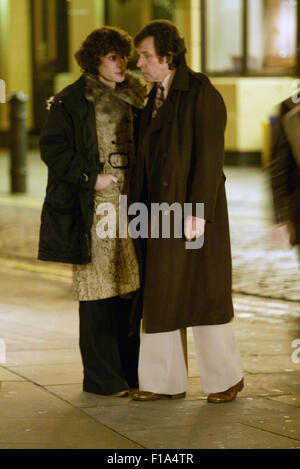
{"x": 249, "y": 48}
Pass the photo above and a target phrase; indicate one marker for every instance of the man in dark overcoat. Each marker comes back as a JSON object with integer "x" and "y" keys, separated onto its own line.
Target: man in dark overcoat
{"x": 180, "y": 161}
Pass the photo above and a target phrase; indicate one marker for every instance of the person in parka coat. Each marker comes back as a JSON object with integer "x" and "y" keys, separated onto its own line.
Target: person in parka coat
{"x": 180, "y": 160}
{"x": 88, "y": 144}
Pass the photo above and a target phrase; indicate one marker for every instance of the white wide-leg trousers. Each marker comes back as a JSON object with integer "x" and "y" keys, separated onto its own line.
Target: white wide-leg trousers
{"x": 162, "y": 367}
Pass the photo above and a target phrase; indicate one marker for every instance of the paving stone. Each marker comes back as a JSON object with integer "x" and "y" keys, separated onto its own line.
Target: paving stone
{"x": 31, "y": 417}
{"x": 165, "y": 413}
{"x": 61, "y": 433}
{"x": 216, "y": 436}
{"x": 271, "y": 384}
{"x": 6, "y": 375}
{"x": 24, "y": 399}
{"x": 39, "y": 357}
{"x": 293, "y": 399}
{"x": 269, "y": 364}
{"x": 286, "y": 425}
{"x": 74, "y": 394}
{"x": 46, "y": 375}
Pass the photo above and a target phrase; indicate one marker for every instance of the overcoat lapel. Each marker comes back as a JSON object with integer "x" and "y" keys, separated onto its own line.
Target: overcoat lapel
{"x": 151, "y": 125}
{"x": 148, "y": 125}
{"x": 166, "y": 112}
{"x": 146, "y": 114}
{"x": 164, "y": 116}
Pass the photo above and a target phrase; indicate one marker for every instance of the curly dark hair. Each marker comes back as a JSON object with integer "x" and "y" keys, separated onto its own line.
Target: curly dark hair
{"x": 99, "y": 43}
{"x": 166, "y": 39}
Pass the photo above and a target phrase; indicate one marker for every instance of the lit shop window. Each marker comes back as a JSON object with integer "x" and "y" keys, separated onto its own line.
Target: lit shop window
{"x": 224, "y": 35}
{"x": 272, "y": 36}
{"x": 249, "y": 37}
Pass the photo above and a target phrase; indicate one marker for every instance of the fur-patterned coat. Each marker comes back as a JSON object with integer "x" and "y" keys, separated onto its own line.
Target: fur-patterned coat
{"x": 114, "y": 269}
{"x": 76, "y": 144}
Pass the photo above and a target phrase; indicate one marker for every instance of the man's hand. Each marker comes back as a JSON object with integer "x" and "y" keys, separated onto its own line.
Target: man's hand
{"x": 193, "y": 227}
{"x": 290, "y": 227}
{"x": 103, "y": 181}
{"x": 283, "y": 233}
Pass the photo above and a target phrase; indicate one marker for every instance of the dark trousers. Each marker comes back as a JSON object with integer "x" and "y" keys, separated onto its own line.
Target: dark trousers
{"x": 109, "y": 356}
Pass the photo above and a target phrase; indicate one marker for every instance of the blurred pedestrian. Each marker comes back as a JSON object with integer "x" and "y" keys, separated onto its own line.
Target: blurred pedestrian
{"x": 88, "y": 145}
{"x": 285, "y": 169}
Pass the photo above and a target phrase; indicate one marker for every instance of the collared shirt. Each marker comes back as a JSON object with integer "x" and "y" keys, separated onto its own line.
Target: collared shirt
{"x": 166, "y": 83}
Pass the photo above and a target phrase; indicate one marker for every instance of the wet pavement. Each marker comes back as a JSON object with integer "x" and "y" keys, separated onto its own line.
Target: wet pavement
{"x": 42, "y": 403}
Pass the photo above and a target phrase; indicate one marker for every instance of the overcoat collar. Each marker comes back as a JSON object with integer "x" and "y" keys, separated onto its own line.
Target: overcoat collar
{"x": 181, "y": 79}
{"x": 73, "y": 98}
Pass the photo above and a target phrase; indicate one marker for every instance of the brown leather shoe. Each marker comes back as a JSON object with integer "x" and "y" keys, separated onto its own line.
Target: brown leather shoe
{"x": 226, "y": 396}
{"x": 152, "y": 396}
{"x": 124, "y": 393}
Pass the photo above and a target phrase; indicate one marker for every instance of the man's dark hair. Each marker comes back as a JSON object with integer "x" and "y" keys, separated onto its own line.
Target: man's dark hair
{"x": 99, "y": 43}
{"x": 166, "y": 39}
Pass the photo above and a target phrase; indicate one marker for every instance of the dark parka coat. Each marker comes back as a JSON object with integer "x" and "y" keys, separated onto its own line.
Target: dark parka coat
{"x": 180, "y": 159}
{"x": 69, "y": 147}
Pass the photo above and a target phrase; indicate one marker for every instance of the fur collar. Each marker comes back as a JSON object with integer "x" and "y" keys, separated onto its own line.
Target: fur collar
{"x": 131, "y": 91}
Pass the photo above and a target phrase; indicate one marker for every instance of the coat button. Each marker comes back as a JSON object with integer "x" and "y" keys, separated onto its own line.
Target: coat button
{"x": 164, "y": 183}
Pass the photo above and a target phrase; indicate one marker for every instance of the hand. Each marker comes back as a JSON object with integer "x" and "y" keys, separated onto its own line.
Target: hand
{"x": 103, "y": 181}
{"x": 193, "y": 227}
{"x": 282, "y": 235}
{"x": 282, "y": 232}
{"x": 290, "y": 227}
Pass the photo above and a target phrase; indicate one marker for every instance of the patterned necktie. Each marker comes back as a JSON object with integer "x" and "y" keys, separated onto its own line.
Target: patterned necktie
{"x": 158, "y": 100}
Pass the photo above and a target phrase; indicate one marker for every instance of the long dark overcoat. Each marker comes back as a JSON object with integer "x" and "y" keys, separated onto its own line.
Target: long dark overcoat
{"x": 180, "y": 159}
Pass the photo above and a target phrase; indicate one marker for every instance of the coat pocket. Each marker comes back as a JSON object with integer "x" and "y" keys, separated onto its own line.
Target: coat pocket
{"x": 61, "y": 198}
{"x": 61, "y": 229}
